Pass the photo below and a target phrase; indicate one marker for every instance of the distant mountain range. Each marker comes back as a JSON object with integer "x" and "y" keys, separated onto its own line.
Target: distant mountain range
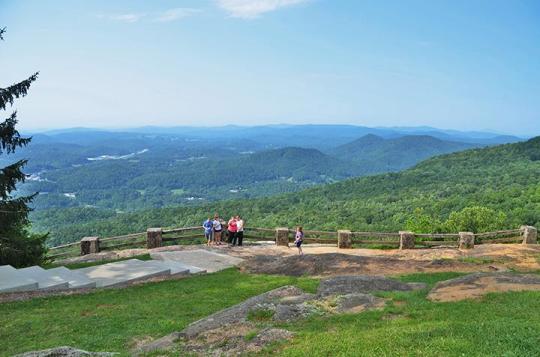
{"x": 271, "y": 136}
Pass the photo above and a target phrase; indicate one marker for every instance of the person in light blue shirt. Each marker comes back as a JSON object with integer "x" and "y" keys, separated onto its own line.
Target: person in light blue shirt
{"x": 208, "y": 226}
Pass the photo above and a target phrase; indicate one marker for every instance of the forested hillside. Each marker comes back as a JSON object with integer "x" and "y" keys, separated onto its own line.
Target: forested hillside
{"x": 128, "y": 171}
{"x": 375, "y": 154}
{"x": 502, "y": 180}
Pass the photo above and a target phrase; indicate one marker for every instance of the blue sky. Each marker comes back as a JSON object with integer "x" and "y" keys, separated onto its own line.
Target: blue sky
{"x": 449, "y": 64}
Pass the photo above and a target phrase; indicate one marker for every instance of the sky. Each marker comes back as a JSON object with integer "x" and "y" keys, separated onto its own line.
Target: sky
{"x": 457, "y": 64}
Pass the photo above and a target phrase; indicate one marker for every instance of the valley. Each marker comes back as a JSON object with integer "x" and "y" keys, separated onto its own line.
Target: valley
{"x": 169, "y": 180}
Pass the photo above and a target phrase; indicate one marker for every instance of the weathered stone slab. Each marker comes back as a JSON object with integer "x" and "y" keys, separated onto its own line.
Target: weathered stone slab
{"x": 358, "y": 302}
{"x": 476, "y": 285}
{"x": 12, "y": 281}
{"x": 200, "y": 258}
{"x": 46, "y": 280}
{"x": 239, "y": 312}
{"x": 75, "y": 280}
{"x": 65, "y": 351}
{"x": 122, "y": 272}
{"x": 341, "y": 285}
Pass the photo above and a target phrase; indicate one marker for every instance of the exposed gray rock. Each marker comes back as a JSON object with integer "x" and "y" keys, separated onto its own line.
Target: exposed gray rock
{"x": 65, "y": 351}
{"x": 358, "y": 302}
{"x": 478, "y": 284}
{"x": 240, "y": 312}
{"x": 224, "y": 332}
{"x": 341, "y": 285}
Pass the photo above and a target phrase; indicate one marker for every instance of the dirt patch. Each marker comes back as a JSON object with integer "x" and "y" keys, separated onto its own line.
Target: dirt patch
{"x": 330, "y": 264}
{"x": 474, "y": 286}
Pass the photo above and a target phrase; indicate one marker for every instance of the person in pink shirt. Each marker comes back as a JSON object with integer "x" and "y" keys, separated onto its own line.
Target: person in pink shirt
{"x": 232, "y": 228}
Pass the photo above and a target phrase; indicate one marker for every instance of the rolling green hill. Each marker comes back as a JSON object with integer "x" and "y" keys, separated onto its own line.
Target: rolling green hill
{"x": 375, "y": 154}
{"x": 503, "y": 179}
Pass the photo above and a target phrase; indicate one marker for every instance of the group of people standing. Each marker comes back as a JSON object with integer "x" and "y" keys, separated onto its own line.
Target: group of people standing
{"x": 214, "y": 229}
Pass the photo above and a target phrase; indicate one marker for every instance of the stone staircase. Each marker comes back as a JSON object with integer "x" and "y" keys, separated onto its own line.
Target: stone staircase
{"x": 111, "y": 274}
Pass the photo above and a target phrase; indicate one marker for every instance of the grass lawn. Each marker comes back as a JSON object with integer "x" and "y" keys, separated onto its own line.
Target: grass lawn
{"x": 108, "y": 320}
{"x": 504, "y": 324}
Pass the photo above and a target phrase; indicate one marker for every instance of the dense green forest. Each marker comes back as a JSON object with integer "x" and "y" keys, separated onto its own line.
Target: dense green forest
{"x": 132, "y": 171}
{"x": 378, "y": 155}
{"x": 501, "y": 182}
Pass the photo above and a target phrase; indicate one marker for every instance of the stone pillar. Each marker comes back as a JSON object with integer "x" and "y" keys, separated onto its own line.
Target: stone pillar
{"x": 466, "y": 240}
{"x": 282, "y": 236}
{"x": 344, "y": 239}
{"x": 154, "y": 237}
{"x": 89, "y": 245}
{"x": 530, "y": 235}
{"x": 406, "y": 240}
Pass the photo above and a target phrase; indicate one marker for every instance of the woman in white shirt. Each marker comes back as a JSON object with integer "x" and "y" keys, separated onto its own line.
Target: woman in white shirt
{"x": 218, "y": 228}
{"x": 239, "y": 230}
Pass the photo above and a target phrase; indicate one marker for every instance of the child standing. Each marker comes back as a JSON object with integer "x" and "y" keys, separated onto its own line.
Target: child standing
{"x": 208, "y": 226}
{"x": 298, "y": 239}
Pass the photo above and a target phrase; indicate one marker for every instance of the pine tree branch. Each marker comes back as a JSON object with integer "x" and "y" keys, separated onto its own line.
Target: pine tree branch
{"x": 9, "y": 94}
{"x": 10, "y": 138}
{"x": 2, "y": 31}
{"x": 9, "y": 177}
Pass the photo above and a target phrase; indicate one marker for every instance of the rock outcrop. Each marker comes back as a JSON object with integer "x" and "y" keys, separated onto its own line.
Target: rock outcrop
{"x": 476, "y": 285}
{"x": 238, "y": 328}
{"x": 65, "y": 351}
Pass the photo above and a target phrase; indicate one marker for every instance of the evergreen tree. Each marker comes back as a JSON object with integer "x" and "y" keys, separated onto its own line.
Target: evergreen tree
{"x": 18, "y": 247}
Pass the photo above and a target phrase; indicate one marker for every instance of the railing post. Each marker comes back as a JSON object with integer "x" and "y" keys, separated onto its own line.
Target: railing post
{"x": 530, "y": 235}
{"x": 466, "y": 240}
{"x": 344, "y": 239}
{"x": 406, "y": 240}
{"x": 282, "y": 236}
{"x": 89, "y": 245}
{"x": 154, "y": 237}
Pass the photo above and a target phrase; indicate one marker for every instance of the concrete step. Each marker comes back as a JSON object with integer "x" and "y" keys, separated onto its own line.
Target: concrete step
{"x": 126, "y": 271}
{"x": 202, "y": 259}
{"x": 13, "y": 281}
{"x": 46, "y": 280}
{"x": 76, "y": 280}
{"x": 177, "y": 268}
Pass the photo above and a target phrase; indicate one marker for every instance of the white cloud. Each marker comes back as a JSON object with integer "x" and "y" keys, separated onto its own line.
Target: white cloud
{"x": 251, "y": 9}
{"x": 129, "y": 18}
{"x": 176, "y": 14}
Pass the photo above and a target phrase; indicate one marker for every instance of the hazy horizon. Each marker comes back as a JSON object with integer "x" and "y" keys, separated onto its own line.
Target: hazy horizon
{"x": 450, "y": 64}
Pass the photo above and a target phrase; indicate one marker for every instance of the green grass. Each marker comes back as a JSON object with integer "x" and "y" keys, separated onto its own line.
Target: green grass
{"x": 477, "y": 260}
{"x": 502, "y": 324}
{"x": 99, "y": 262}
{"x": 111, "y": 319}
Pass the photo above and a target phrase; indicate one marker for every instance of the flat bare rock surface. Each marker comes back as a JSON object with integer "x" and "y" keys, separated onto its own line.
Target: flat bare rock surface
{"x": 350, "y": 284}
{"x": 200, "y": 258}
{"x": 65, "y": 351}
{"x": 476, "y": 285}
